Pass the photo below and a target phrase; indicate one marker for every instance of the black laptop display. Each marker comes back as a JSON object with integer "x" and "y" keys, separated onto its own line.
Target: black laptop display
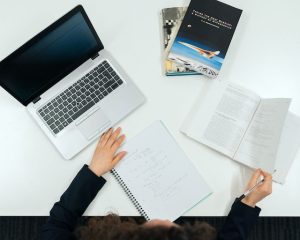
{"x": 49, "y": 56}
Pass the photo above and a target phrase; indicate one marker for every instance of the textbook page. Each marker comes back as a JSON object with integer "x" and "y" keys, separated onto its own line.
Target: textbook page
{"x": 223, "y": 119}
{"x": 259, "y": 146}
{"x": 288, "y": 147}
{"x": 159, "y": 175}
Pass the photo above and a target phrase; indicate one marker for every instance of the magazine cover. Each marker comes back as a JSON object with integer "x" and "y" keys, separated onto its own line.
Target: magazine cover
{"x": 172, "y": 18}
{"x": 204, "y": 36}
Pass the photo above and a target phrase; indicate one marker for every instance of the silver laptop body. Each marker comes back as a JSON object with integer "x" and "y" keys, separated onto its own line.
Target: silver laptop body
{"x": 71, "y": 131}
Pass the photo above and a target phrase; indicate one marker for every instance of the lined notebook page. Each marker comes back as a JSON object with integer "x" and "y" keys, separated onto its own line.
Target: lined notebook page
{"x": 162, "y": 179}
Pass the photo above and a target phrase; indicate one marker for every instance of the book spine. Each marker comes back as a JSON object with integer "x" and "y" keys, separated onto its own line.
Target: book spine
{"x": 130, "y": 195}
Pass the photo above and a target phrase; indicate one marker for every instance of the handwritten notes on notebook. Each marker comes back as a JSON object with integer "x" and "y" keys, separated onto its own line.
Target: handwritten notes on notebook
{"x": 158, "y": 174}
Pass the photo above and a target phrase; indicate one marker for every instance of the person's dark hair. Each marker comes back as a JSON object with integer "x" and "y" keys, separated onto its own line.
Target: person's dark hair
{"x": 111, "y": 227}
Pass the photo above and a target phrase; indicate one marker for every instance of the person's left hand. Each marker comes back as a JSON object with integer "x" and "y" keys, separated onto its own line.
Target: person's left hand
{"x": 105, "y": 157}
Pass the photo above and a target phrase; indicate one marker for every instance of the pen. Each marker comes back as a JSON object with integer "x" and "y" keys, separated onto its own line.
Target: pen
{"x": 245, "y": 194}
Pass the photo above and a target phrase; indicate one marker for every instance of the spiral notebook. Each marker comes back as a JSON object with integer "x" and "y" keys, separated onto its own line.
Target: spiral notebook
{"x": 158, "y": 177}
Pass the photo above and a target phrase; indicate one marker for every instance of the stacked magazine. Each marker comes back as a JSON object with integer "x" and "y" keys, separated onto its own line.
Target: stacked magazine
{"x": 197, "y": 38}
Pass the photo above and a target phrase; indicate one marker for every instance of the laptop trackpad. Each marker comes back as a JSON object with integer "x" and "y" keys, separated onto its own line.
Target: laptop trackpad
{"x": 93, "y": 124}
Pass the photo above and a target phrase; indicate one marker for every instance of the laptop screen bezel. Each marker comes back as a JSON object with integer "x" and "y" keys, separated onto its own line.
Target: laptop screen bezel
{"x": 43, "y": 33}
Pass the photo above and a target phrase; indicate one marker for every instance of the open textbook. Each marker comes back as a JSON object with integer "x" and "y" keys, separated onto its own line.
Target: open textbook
{"x": 245, "y": 127}
{"x": 158, "y": 177}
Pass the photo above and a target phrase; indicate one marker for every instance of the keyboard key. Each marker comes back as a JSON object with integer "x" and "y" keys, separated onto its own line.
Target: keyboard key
{"x": 46, "y": 118}
{"x": 51, "y": 113}
{"x": 106, "y": 64}
{"x": 120, "y": 82}
{"x": 114, "y": 86}
{"x": 50, "y": 121}
{"x": 73, "y": 90}
{"x": 108, "y": 84}
{"x": 55, "y": 130}
{"x": 101, "y": 69}
{"x": 71, "y": 112}
{"x": 106, "y": 74}
{"x": 109, "y": 90}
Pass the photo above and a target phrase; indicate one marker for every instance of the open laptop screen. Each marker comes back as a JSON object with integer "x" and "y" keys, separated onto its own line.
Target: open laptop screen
{"x": 49, "y": 56}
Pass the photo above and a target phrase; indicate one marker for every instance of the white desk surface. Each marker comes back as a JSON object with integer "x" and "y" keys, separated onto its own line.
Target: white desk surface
{"x": 264, "y": 56}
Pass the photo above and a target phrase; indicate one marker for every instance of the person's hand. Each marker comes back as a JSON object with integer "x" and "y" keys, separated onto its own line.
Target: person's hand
{"x": 261, "y": 191}
{"x": 105, "y": 157}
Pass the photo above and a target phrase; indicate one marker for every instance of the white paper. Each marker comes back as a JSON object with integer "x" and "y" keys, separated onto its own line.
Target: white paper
{"x": 222, "y": 122}
{"x": 288, "y": 147}
{"x": 231, "y": 118}
{"x": 259, "y": 146}
{"x": 159, "y": 175}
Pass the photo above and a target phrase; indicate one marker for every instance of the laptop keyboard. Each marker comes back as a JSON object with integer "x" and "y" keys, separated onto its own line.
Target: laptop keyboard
{"x": 80, "y": 97}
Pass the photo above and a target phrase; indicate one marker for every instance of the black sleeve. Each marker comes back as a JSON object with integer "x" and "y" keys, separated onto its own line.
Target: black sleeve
{"x": 239, "y": 222}
{"x": 72, "y": 204}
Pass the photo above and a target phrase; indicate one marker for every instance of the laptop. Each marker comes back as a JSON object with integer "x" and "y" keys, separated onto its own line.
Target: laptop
{"x": 71, "y": 86}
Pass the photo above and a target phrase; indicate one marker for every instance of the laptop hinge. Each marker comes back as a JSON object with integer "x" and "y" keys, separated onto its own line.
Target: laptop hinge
{"x": 36, "y": 99}
{"x": 95, "y": 56}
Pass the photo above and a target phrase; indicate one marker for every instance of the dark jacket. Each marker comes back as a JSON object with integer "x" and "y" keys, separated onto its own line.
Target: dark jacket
{"x": 86, "y": 185}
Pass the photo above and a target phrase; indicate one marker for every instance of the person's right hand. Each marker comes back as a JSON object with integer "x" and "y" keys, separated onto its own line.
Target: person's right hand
{"x": 261, "y": 191}
{"x": 106, "y": 156}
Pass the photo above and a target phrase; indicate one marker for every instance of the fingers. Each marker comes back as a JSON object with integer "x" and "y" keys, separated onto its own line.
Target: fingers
{"x": 105, "y": 136}
{"x": 118, "y": 157}
{"x": 267, "y": 176}
{"x": 118, "y": 143}
{"x": 113, "y": 137}
{"x": 266, "y": 187}
{"x": 255, "y": 178}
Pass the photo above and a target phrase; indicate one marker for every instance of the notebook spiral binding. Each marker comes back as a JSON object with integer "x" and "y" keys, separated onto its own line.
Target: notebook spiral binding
{"x": 130, "y": 195}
